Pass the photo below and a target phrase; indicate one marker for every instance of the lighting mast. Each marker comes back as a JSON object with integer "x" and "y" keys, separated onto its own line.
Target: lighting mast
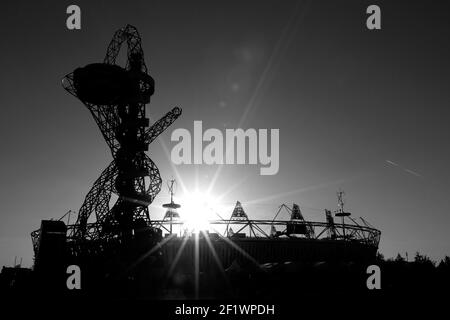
{"x": 340, "y": 211}
{"x": 172, "y": 206}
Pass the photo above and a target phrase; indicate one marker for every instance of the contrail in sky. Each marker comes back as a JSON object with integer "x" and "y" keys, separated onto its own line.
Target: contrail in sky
{"x": 392, "y": 163}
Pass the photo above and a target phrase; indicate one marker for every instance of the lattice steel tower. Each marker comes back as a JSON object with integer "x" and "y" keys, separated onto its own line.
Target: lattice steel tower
{"x": 116, "y": 97}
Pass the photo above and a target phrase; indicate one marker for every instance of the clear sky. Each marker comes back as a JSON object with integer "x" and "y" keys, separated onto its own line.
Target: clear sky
{"x": 358, "y": 110}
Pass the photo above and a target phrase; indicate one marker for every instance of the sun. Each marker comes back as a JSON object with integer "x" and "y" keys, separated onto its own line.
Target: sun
{"x": 197, "y": 209}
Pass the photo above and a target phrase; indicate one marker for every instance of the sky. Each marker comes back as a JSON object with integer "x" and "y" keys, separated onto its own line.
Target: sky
{"x": 358, "y": 110}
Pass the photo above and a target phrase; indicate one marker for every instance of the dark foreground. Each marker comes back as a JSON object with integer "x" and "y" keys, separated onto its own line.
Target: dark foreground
{"x": 274, "y": 291}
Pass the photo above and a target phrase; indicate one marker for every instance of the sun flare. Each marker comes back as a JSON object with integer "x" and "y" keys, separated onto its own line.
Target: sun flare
{"x": 197, "y": 209}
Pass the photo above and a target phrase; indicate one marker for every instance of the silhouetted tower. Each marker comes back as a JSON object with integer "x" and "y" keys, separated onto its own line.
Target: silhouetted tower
{"x": 172, "y": 207}
{"x": 116, "y": 97}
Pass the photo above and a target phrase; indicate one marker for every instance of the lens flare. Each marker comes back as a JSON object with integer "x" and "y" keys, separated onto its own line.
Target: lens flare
{"x": 196, "y": 210}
